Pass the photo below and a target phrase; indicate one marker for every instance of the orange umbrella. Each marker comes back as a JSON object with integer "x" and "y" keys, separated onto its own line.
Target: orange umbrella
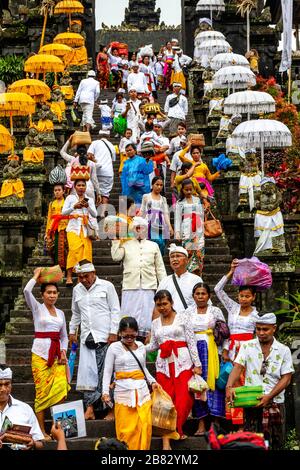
{"x": 70, "y": 39}
{"x": 68, "y": 7}
{"x": 37, "y": 89}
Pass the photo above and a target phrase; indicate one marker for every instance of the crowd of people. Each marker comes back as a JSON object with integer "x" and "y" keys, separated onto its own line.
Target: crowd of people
{"x": 170, "y": 315}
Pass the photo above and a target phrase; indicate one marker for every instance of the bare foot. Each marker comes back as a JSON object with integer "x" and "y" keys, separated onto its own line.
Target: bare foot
{"x": 167, "y": 448}
{"x": 183, "y": 437}
{"x": 199, "y": 432}
{"x": 89, "y": 414}
{"x": 110, "y": 416}
{"x": 47, "y": 438}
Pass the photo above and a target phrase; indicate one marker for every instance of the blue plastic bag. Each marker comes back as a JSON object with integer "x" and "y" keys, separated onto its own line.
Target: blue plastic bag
{"x": 225, "y": 369}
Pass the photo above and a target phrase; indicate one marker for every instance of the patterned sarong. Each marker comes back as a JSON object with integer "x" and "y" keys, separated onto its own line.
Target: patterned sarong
{"x": 93, "y": 397}
{"x": 51, "y": 385}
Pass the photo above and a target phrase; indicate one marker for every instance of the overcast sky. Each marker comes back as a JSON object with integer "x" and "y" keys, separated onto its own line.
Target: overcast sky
{"x": 111, "y": 12}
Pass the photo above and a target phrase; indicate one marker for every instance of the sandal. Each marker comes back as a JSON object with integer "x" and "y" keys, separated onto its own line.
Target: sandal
{"x": 199, "y": 433}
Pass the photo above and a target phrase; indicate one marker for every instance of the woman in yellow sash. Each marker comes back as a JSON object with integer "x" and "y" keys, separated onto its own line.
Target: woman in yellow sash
{"x": 131, "y": 394}
{"x": 203, "y": 317}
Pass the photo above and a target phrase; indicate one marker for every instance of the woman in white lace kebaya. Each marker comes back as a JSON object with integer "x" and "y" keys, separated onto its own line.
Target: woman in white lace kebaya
{"x": 241, "y": 323}
{"x": 173, "y": 335}
{"x": 131, "y": 393}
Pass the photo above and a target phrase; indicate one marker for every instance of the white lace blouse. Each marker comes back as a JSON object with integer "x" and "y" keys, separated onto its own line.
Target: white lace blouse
{"x": 237, "y": 323}
{"x": 202, "y": 322}
{"x": 118, "y": 359}
{"x": 180, "y": 330}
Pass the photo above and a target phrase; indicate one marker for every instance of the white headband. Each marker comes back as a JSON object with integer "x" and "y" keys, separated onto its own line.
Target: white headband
{"x": 139, "y": 222}
{"x": 85, "y": 268}
{"x": 6, "y": 374}
{"x": 266, "y": 319}
{"x": 177, "y": 249}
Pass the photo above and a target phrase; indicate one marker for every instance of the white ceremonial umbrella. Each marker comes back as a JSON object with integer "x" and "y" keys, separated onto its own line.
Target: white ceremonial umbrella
{"x": 235, "y": 77}
{"x": 250, "y": 102}
{"x": 210, "y": 5}
{"x": 262, "y": 133}
{"x": 227, "y": 59}
{"x": 211, "y": 47}
{"x": 208, "y": 35}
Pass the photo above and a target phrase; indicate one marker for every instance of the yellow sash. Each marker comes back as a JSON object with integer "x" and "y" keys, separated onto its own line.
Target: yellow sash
{"x": 213, "y": 359}
{"x": 135, "y": 374}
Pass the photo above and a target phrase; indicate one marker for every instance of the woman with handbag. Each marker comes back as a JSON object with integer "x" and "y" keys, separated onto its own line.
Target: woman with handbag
{"x": 49, "y": 349}
{"x": 127, "y": 360}
{"x": 204, "y": 318}
{"x": 241, "y": 323}
{"x": 173, "y": 336}
{"x": 189, "y": 226}
{"x": 79, "y": 208}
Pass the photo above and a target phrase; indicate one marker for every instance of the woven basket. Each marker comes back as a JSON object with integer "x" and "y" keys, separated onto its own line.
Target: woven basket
{"x": 197, "y": 140}
{"x": 80, "y": 138}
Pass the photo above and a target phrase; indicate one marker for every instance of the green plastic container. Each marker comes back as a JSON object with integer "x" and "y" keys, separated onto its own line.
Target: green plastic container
{"x": 246, "y": 397}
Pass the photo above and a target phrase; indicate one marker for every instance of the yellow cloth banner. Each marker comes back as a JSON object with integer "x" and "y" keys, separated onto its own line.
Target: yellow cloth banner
{"x": 44, "y": 126}
{"x": 79, "y": 57}
{"x": 10, "y": 187}
{"x": 213, "y": 359}
{"x": 51, "y": 385}
{"x": 68, "y": 91}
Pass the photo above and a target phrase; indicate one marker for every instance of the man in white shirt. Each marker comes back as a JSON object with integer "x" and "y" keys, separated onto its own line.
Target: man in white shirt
{"x": 87, "y": 94}
{"x": 133, "y": 114}
{"x": 176, "y": 108}
{"x": 143, "y": 269}
{"x": 104, "y": 154}
{"x": 137, "y": 80}
{"x": 185, "y": 280}
{"x": 17, "y": 412}
{"x": 175, "y": 142}
{"x": 184, "y": 60}
{"x": 96, "y": 307}
{"x": 266, "y": 363}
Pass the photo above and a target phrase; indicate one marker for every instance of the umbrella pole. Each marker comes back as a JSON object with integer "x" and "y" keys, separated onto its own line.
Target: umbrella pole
{"x": 248, "y": 30}
{"x": 262, "y": 159}
{"x": 211, "y": 16}
{"x": 70, "y": 20}
{"x": 44, "y": 29}
{"x": 248, "y": 116}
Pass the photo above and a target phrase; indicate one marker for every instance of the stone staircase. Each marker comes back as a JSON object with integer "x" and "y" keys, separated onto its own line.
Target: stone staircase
{"x": 19, "y": 331}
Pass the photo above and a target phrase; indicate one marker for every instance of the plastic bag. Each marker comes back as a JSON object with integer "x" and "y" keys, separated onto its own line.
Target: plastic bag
{"x": 197, "y": 384}
{"x": 164, "y": 414}
{"x": 146, "y": 51}
{"x": 252, "y": 272}
{"x": 225, "y": 369}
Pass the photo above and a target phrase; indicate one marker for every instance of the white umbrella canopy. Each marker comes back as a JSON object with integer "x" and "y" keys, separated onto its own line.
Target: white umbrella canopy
{"x": 208, "y": 35}
{"x": 210, "y": 5}
{"x": 227, "y": 59}
{"x": 250, "y": 102}
{"x": 235, "y": 77}
{"x": 211, "y": 47}
{"x": 262, "y": 133}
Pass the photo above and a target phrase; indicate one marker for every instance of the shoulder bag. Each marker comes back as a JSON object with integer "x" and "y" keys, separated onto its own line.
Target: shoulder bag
{"x": 179, "y": 292}
{"x": 140, "y": 366}
{"x": 213, "y": 227}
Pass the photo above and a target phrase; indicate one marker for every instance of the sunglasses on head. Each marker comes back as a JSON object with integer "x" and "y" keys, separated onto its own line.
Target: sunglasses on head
{"x": 264, "y": 366}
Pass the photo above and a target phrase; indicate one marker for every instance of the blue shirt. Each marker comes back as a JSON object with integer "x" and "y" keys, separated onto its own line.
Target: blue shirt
{"x": 135, "y": 176}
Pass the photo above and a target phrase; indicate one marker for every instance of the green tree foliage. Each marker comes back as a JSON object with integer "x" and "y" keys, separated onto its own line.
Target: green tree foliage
{"x": 11, "y": 68}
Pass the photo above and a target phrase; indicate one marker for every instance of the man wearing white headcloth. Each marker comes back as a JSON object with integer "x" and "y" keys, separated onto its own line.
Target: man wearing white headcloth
{"x": 137, "y": 80}
{"x": 132, "y": 113}
{"x": 180, "y": 284}
{"x": 96, "y": 308}
{"x": 176, "y": 108}
{"x": 143, "y": 269}
{"x": 266, "y": 363}
{"x": 14, "y": 411}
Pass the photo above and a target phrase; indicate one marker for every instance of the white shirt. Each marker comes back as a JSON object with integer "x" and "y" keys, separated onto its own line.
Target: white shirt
{"x": 124, "y": 142}
{"x": 159, "y": 68}
{"x": 103, "y": 156}
{"x": 44, "y": 322}
{"x": 118, "y": 359}
{"x": 175, "y": 145}
{"x": 20, "y": 413}
{"x": 143, "y": 266}
{"x": 97, "y": 310}
{"x": 186, "y": 283}
{"x": 180, "y": 330}
{"x": 88, "y": 91}
{"x": 138, "y": 82}
{"x": 180, "y": 110}
{"x": 206, "y": 321}
{"x": 114, "y": 61}
{"x": 176, "y": 163}
{"x": 74, "y": 225}
{"x": 278, "y": 363}
{"x": 184, "y": 60}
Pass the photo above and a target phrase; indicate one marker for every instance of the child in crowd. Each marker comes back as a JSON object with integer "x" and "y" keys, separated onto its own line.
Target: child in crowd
{"x": 56, "y": 239}
{"x": 127, "y": 139}
{"x": 106, "y": 119}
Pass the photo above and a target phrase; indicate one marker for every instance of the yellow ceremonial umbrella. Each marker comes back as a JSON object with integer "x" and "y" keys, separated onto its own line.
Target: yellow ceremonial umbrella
{"x": 70, "y": 39}
{"x": 37, "y": 89}
{"x": 43, "y": 63}
{"x": 68, "y": 7}
{"x": 16, "y": 104}
{"x": 62, "y": 51}
{"x": 6, "y": 141}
